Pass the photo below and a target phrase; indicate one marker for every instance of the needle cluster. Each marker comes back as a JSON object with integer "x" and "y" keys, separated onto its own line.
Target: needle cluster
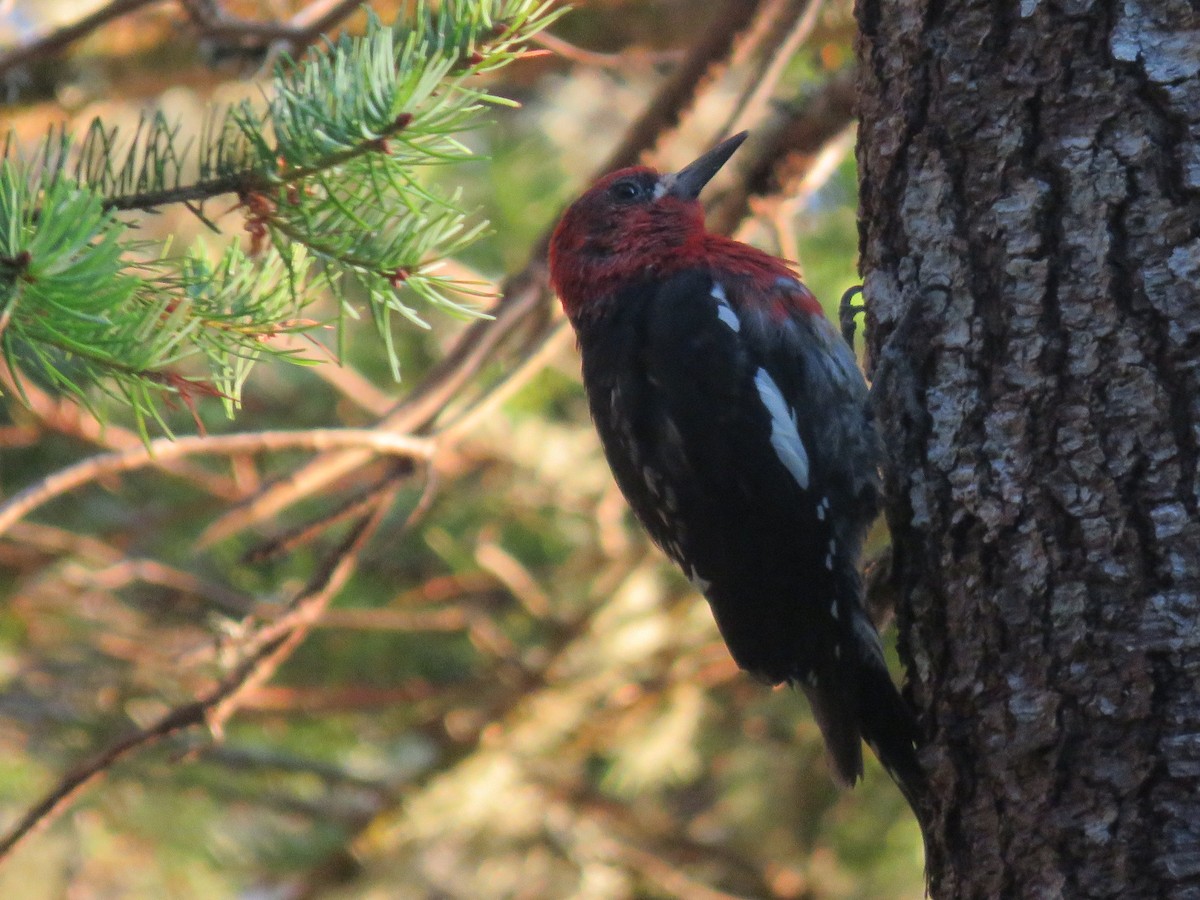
{"x": 329, "y": 175}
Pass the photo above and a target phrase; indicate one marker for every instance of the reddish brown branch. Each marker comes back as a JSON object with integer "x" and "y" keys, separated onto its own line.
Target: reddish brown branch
{"x": 302, "y": 31}
{"x": 69, "y": 34}
{"x": 270, "y": 646}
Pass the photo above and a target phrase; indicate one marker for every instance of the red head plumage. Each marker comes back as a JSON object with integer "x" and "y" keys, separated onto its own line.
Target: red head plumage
{"x": 637, "y": 223}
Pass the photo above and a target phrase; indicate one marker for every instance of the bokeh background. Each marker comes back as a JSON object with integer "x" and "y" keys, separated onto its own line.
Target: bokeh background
{"x": 514, "y": 695}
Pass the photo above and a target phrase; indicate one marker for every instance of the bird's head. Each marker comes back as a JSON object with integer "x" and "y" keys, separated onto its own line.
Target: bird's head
{"x": 632, "y": 224}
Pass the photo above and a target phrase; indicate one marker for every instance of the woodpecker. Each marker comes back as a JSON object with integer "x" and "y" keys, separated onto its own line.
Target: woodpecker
{"x": 735, "y": 420}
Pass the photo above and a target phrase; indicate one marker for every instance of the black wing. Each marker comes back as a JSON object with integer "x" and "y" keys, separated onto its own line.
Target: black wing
{"x": 678, "y": 398}
{"x": 694, "y": 396}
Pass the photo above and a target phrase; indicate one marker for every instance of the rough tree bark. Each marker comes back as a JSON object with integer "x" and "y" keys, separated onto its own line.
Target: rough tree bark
{"x": 1031, "y": 251}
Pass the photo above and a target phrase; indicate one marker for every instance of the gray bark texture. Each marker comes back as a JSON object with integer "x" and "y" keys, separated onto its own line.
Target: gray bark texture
{"x": 1030, "y": 235}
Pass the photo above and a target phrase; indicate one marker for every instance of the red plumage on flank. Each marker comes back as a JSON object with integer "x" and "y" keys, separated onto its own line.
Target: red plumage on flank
{"x": 736, "y": 423}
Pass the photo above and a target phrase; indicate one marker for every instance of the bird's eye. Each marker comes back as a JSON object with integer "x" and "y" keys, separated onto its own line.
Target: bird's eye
{"x": 625, "y": 191}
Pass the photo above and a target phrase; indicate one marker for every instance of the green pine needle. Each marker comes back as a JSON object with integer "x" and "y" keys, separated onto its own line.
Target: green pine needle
{"x": 326, "y": 171}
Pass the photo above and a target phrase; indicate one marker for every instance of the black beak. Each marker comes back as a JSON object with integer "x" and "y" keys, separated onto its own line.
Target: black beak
{"x": 688, "y": 181}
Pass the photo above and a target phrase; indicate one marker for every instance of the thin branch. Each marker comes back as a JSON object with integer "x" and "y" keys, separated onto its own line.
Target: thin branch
{"x": 351, "y": 384}
{"x": 304, "y": 28}
{"x": 58, "y": 798}
{"x": 88, "y": 470}
{"x": 763, "y": 81}
{"x": 300, "y": 32}
{"x": 282, "y": 544}
{"x": 107, "y": 567}
{"x": 68, "y": 34}
{"x": 215, "y": 707}
{"x": 73, "y": 420}
{"x": 584, "y": 57}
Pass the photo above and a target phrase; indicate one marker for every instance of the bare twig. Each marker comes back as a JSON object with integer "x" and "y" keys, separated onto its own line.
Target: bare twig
{"x": 68, "y": 34}
{"x": 95, "y": 467}
{"x": 69, "y": 418}
{"x": 622, "y": 60}
{"x": 282, "y": 544}
{"x": 301, "y": 31}
{"x": 216, "y": 706}
{"x": 763, "y": 81}
{"x": 513, "y": 575}
{"x": 346, "y": 380}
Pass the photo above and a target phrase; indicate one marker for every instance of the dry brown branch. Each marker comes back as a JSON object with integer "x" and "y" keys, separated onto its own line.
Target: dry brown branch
{"x": 450, "y": 618}
{"x": 623, "y": 60}
{"x": 513, "y": 575}
{"x": 57, "y": 40}
{"x": 285, "y": 543}
{"x": 215, "y": 706}
{"x": 796, "y": 28}
{"x": 277, "y": 698}
{"x": 70, "y": 419}
{"x": 303, "y": 29}
{"x": 96, "y": 467}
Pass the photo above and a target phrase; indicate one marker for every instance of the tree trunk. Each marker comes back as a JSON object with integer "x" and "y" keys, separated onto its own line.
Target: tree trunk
{"x": 1031, "y": 250}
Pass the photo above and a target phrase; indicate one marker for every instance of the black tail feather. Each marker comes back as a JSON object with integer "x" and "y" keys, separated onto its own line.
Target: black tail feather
{"x": 890, "y": 730}
{"x": 843, "y": 740}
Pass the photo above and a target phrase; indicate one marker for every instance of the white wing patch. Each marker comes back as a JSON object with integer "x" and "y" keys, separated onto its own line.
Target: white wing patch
{"x": 784, "y": 436}
{"x": 724, "y": 311}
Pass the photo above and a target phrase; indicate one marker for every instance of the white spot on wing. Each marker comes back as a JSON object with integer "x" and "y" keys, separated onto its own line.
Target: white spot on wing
{"x": 724, "y": 311}
{"x": 784, "y": 436}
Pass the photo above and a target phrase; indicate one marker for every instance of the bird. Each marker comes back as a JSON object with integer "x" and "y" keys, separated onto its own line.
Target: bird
{"x": 737, "y": 424}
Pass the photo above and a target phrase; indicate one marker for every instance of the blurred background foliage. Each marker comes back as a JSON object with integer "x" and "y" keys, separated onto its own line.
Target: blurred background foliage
{"x": 512, "y": 694}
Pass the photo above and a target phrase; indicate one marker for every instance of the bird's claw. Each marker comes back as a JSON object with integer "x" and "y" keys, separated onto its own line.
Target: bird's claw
{"x": 848, "y": 309}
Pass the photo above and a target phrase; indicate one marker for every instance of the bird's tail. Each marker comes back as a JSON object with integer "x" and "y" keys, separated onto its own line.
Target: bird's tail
{"x": 870, "y": 709}
{"x": 890, "y": 730}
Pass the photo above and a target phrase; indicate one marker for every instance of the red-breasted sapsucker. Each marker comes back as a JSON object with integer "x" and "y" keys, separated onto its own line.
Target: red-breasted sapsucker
{"x": 735, "y": 420}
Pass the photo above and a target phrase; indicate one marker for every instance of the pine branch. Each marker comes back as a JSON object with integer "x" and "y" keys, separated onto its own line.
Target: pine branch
{"x": 326, "y": 175}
